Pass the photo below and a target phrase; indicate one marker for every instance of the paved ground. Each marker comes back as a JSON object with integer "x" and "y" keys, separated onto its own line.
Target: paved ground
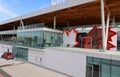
{"x": 13, "y": 68}
{"x": 4, "y": 74}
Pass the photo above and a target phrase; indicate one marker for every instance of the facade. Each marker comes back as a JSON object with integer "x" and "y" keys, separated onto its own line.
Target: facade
{"x": 54, "y": 38}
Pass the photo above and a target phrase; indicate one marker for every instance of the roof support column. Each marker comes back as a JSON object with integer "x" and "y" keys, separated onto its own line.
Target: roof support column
{"x": 113, "y": 21}
{"x": 107, "y": 27}
{"x": 54, "y": 22}
{"x": 103, "y": 25}
{"x": 68, "y": 24}
{"x": 22, "y": 24}
{"x": 2, "y": 37}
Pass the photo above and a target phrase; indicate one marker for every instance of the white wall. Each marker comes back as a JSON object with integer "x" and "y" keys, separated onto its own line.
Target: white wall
{"x": 71, "y": 63}
{"x": 4, "y": 48}
{"x": 114, "y": 39}
{"x": 35, "y": 56}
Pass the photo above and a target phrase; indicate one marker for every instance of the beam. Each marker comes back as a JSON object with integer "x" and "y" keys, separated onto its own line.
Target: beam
{"x": 103, "y": 25}
{"x": 73, "y": 11}
{"x": 113, "y": 2}
{"x": 106, "y": 6}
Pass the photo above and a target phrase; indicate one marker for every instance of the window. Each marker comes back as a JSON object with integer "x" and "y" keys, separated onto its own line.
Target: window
{"x": 102, "y": 67}
{"x": 39, "y": 39}
{"x": 21, "y": 53}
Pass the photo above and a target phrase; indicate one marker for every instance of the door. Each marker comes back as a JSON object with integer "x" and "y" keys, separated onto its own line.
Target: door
{"x": 96, "y": 71}
{"x": 93, "y": 71}
{"x": 89, "y": 71}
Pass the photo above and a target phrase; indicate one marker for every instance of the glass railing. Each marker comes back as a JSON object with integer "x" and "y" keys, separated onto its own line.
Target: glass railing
{"x": 8, "y": 32}
{"x": 8, "y": 42}
{"x": 32, "y": 26}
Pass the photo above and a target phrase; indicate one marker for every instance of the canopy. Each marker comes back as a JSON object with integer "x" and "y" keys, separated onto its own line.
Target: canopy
{"x": 80, "y": 14}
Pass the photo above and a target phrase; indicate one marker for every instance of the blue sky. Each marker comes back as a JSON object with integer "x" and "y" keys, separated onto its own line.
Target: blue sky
{"x": 13, "y": 8}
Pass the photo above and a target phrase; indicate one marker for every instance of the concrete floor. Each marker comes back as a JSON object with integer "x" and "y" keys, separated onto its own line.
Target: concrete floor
{"x": 16, "y": 68}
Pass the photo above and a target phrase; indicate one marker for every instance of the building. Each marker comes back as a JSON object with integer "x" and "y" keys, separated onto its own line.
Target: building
{"x": 62, "y": 37}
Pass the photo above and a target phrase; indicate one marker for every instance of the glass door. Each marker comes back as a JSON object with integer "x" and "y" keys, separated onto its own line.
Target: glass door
{"x": 89, "y": 71}
{"x": 93, "y": 71}
{"x": 96, "y": 71}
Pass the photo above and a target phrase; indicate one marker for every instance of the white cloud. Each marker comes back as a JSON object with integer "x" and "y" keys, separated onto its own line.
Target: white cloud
{"x": 5, "y": 10}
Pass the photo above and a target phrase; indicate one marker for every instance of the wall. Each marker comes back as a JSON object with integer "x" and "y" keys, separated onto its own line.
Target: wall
{"x": 4, "y": 48}
{"x": 71, "y": 63}
{"x": 35, "y": 56}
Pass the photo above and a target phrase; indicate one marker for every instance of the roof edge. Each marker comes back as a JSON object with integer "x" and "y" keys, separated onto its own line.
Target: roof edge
{"x": 52, "y": 8}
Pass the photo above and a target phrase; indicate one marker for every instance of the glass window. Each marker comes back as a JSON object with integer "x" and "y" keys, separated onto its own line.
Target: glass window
{"x": 21, "y": 53}
{"x": 116, "y": 62}
{"x": 90, "y": 60}
{"x": 115, "y": 72}
{"x": 34, "y": 39}
{"x": 97, "y": 61}
{"x": 105, "y": 70}
{"x": 106, "y": 61}
{"x": 103, "y": 67}
{"x": 39, "y": 39}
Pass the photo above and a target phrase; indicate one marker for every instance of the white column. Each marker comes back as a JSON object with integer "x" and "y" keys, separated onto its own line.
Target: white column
{"x": 22, "y": 24}
{"x": 14, "y": 28}
{"x": 2, "y": 37}
{"x": 68, "y": 23}
{"x": 103, "y": 24}
{"x": 107, "y": 27}
{"x": 54, "y": 22}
